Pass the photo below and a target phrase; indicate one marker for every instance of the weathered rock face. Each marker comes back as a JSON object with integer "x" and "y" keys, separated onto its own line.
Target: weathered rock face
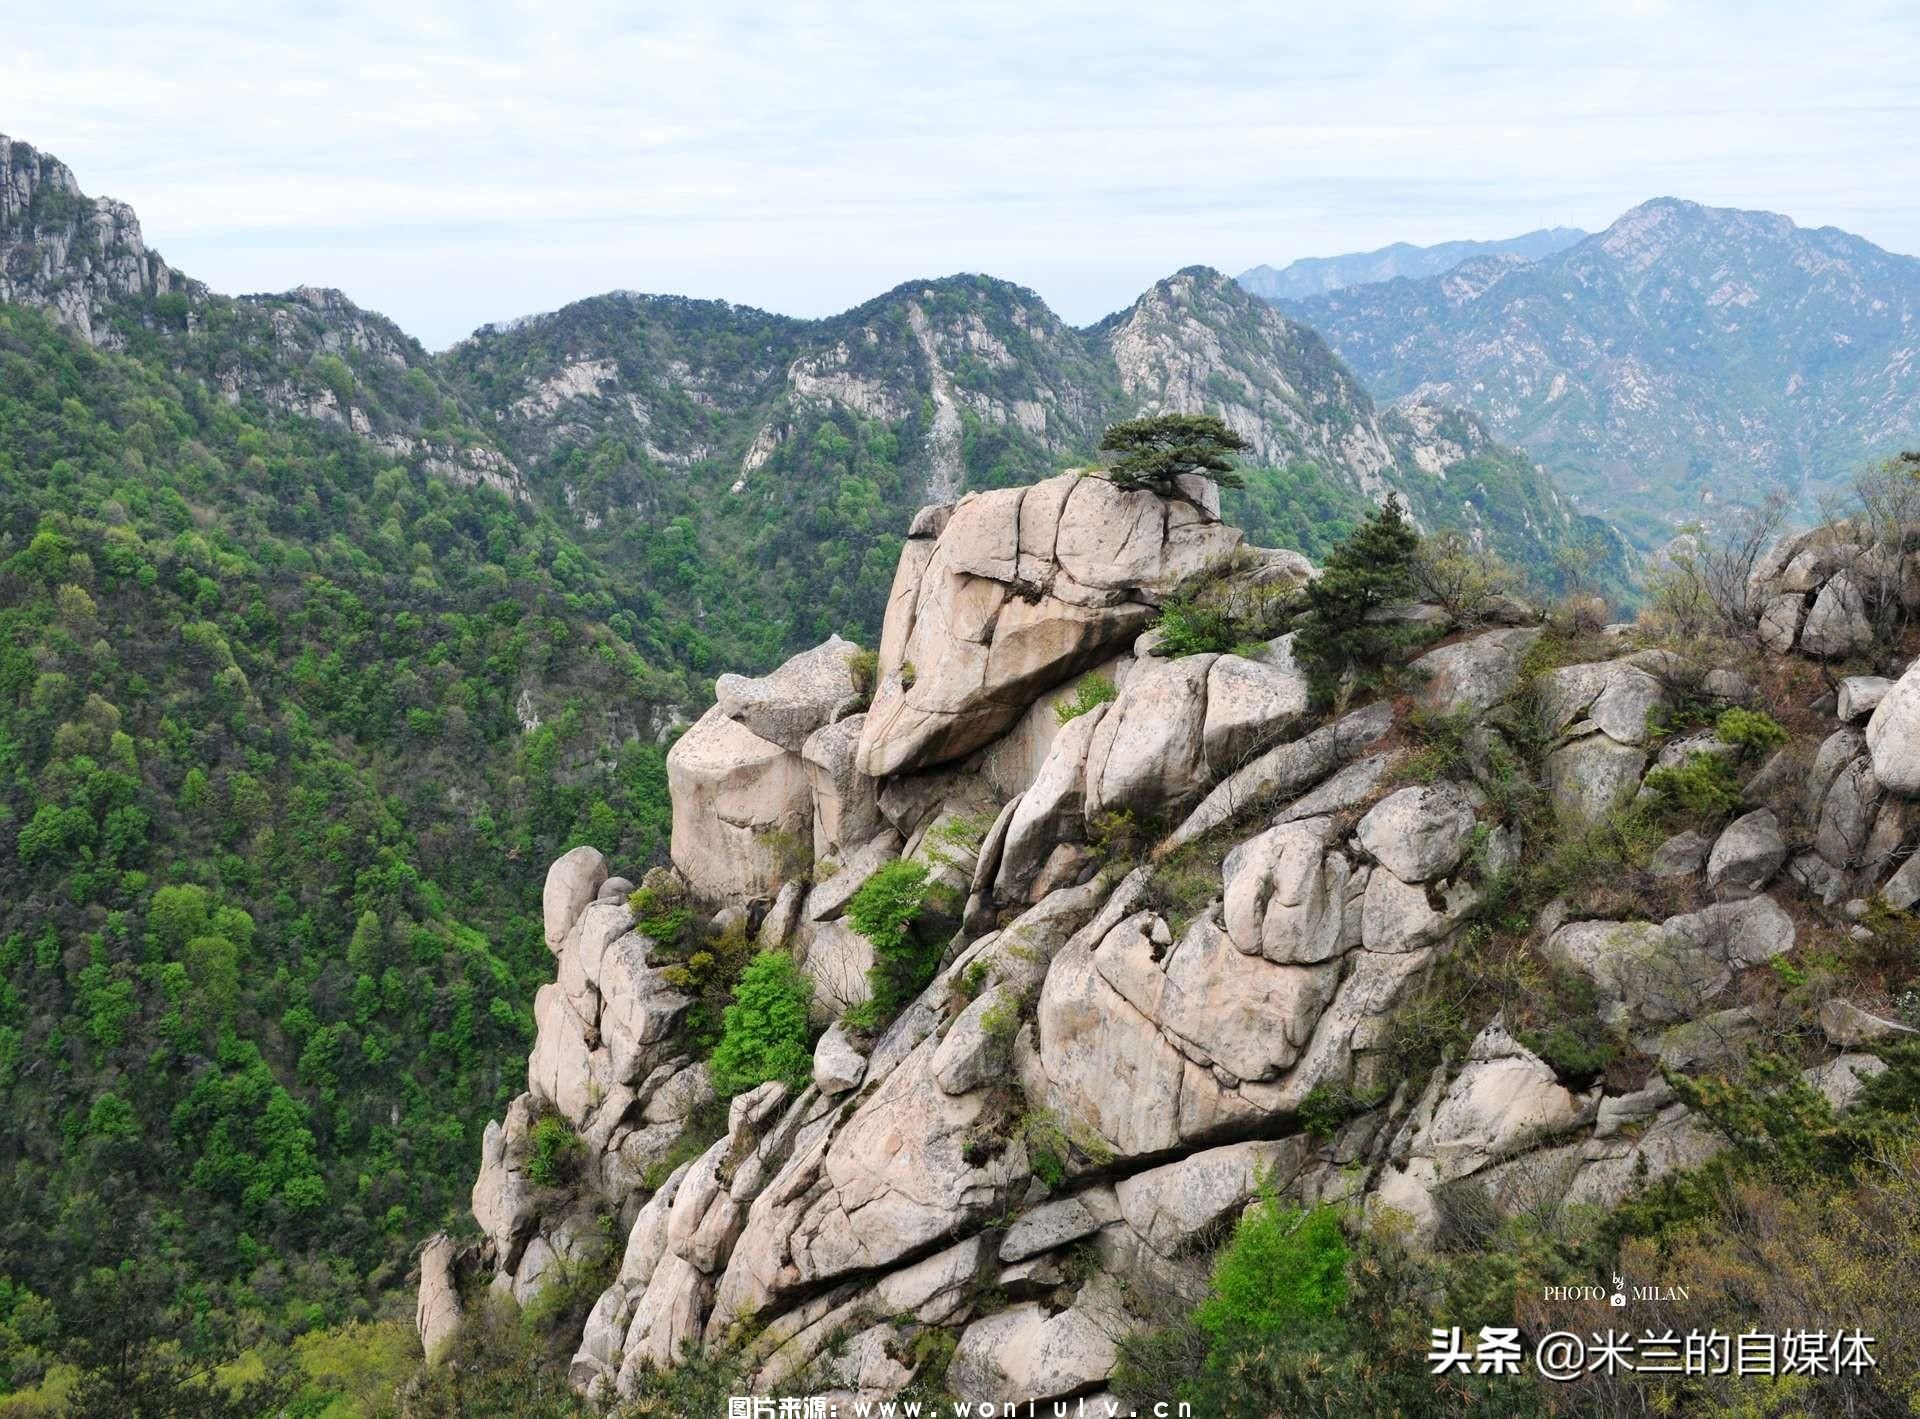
{"x": 1022, "y": 589}
{"x": 1471, "y": 676}
{"x": 70, "y": 254}
{"x": 1111, "y": 1064}
{"x": 800, "y": 697}
{"x": 437, "y": 1316}
{"x": 738, "y": 801}
{"x": 1893, "y": 735}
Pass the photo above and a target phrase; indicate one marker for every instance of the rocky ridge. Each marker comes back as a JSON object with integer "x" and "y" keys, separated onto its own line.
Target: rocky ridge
{"x": 1112, "y": 1062}
{"x": 310, "y": 353}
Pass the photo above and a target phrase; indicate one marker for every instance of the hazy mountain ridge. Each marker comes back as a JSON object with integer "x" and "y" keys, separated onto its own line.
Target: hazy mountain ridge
{"x": 628, "y": 402}
{"x": 1317, "y": 275}
{"x": 1685, "y": 356}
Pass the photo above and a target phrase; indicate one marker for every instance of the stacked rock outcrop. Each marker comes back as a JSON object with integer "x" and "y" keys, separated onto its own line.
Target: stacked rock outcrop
{"x": 1107, "y": 1065}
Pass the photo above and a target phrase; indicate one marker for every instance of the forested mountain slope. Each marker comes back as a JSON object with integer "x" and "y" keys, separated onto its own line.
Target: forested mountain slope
{"x": 793, "y": 448}
{"x": 316, "y": 648}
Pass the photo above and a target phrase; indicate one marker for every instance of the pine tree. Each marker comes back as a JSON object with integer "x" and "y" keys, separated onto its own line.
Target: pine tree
{"x": 1372, "y": 569}
{"x": 1156, "y": 451}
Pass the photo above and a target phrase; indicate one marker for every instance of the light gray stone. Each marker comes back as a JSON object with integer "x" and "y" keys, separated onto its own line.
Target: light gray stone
{"x": 1420, "y": 832}
{"x": 1172, "y": 1206}
{"x": 572, "y": 882}
{"x": 1593, "y": 777}
{"x": 1051, "y": 1224}
{"x": 834, "y": 888}
{"x": 1746, "y": 855}
{"x": 1846, "y": 1025}
{"x": 1681, "y": 855}
{"x": 788, "y": 705}
{"x": 1838, "y": 624}
{"x": 738, "y": 800}
{"x": 1841, "y": 1080}
{"x": 1893, "y": 735}
{"x": 837, "y": 1065}
{"x": 437, "y": 1313}
{"x": 1471, "y": 676}
{"x": 1860, "y": 695}
{"x": 1030, "y": 1354}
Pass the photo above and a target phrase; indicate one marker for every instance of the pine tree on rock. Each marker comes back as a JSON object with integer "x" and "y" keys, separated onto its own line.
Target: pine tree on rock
{"x": 1158, "y": 450}
{"x": 1369, "y": 571}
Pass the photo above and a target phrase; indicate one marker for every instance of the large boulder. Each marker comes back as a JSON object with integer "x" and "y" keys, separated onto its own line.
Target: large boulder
{"x": 1419, "y": 833}
{"x": 1642, "y": 975}
{"x": 1746, "y": 854}
{"x": 1285, "y": 770}
{"x": 1656, "y": 974}
{"x": 573, "y": 881}
{"x": 1780, "y": 618}
{"x": 787, "y": 706}
{"x": 1893, "y": 735}
{"x": 437, "y": 1314}
{"x": 1249, "y": 1015}
{"x": 1592, "y": 777}
{"x": 1052, "y": 809}
{"x": 1859, "y": 696}
{"x": 1031, "y": 1354}
{"x": 846, "y": 806}
{"x": 1253, "y": 703}
{"x": 1506, "y": 1095}
{"x": 1171, "y": 1206}
{"x": 1024, "y": 588}
{"x": 1472, "y": 676}
{"x": 1838, "y": 624}
{"x": 1286, "y": 895}
{"x": 1148, "y": 752}
{"x": 1615, "y": 696}
{"x": 740, "y": 804}
{"x": 1846, "y": 1024}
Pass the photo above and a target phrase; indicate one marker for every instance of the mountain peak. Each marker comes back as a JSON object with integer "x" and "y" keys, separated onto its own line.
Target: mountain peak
{"x": 72, "y": 255}
{"x": 1686, "y": 358}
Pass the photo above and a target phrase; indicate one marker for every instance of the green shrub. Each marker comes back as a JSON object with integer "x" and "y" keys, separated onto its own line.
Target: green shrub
{"x": 1574, "y": 1054}
{"x": 764, "y": 1032}
{"x": 1192, "y": 627}
{"x": 1283, "y": 1267}
{"x": 553, "y": 1148}
{"x": 662, "y": 911}
{"x": 1701, "y": 786}
{"x": 1094, "y": 690}
{"x": 1754, "y": 731}
{"x": 1371, "y": 570}
{"x": 1328, "y": 1106}
{"x": 883, "y": 911}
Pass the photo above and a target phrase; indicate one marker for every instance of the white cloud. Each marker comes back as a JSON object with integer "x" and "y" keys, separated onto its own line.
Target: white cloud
{"x": 452, "y": 163}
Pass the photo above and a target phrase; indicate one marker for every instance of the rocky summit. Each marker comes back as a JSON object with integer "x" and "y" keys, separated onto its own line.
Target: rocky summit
{"x": 1190, "y": 923}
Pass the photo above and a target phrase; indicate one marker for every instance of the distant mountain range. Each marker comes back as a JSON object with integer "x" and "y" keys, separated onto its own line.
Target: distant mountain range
{"x": 623, "y": 412}
{"x": 1683, "y": 358}
{"x": 1316, "y": 275}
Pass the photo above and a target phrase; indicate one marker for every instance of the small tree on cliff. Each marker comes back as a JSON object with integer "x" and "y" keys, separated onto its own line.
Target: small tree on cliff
{"x": 1155, "y": 451}
{"x": 1371, "y": 570}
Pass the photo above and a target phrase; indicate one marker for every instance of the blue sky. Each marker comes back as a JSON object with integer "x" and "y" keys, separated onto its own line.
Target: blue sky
{"x": 451, "y": 164}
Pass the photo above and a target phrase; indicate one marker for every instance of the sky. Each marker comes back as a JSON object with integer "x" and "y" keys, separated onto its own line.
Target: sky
{"x": 451, "y": 164}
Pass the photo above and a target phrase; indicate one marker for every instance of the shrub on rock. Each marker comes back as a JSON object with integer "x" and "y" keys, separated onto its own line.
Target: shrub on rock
{"x": 764, "y": 1031}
